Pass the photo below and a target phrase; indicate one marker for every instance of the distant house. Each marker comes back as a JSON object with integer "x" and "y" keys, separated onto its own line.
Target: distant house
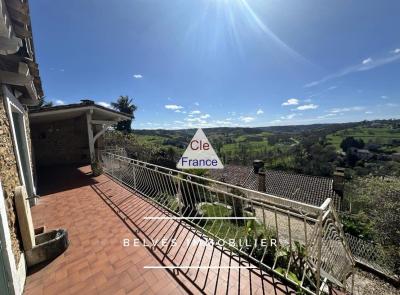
{"x": 361, "y": 154}
{"x": 313, "y": 190}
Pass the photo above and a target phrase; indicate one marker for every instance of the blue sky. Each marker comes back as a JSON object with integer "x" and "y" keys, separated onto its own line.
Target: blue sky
{"x": 206, "y": 63}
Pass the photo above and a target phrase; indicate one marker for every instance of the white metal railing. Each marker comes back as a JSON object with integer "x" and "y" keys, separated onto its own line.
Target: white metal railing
{"x": 302, "y": 243}
{"x": 116, "y": 150}
{"x": 371, "y": 255}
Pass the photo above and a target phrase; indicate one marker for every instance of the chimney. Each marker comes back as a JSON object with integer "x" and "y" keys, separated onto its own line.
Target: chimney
{"x": 257, "y": 166}
{"x": 338, "y": 181}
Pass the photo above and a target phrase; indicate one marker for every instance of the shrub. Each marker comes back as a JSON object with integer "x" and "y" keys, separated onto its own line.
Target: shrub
{"x": 97, "y": 169}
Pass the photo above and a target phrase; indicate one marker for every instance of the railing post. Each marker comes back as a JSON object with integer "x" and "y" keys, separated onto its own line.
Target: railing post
{"x": 112, "y": 164}
{"x": 134, "y": 174}
{"x": 319, "y": 251}
{"x": 180, "y": 195}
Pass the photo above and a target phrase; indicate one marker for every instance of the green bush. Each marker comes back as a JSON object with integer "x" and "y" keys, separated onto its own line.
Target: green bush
{"x": 97, "y": 169}
{"x": 375, "y": 213}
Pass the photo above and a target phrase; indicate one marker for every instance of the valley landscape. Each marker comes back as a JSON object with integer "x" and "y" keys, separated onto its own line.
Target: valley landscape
{"x": 281, "y": 147}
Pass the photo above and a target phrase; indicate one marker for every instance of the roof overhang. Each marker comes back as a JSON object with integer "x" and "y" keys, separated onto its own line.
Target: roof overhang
{"x": 100, "y": 114}
{"x": 24, "y": 82}
{"x": 18, "y": 67}
{"x": 9, "y": 42}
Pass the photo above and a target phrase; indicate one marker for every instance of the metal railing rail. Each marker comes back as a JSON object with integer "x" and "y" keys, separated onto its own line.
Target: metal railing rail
{"x": 116, "y": 150}
{"x": 302, "y": 243}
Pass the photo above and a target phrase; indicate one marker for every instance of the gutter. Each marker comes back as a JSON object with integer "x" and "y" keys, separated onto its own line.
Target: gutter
{"x": 44, "y": 112}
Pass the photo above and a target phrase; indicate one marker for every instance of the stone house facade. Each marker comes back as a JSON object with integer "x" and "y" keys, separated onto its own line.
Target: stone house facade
{"x": 9, "y": 176}
{"x": 61, "y": 142}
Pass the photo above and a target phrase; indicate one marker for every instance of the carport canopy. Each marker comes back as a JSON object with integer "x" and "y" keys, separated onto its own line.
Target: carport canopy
{"x": 95, "y": 115}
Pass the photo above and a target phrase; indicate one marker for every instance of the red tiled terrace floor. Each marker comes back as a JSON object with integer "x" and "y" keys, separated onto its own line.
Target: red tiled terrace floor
{"x": 98, "y": 214}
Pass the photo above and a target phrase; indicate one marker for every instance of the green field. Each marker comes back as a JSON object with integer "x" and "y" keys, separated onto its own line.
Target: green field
{"x": 382, "y": 136}
{"x": 154, "y": 139}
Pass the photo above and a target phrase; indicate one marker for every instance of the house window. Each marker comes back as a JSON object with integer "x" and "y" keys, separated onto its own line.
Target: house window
{"x": 17, "y": 117}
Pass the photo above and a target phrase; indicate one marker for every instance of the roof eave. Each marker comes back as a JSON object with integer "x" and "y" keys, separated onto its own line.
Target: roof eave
{"x": 60, "y": 110}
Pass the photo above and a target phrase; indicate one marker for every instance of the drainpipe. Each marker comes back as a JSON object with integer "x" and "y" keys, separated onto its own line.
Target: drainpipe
{"x": 258, "y": 166}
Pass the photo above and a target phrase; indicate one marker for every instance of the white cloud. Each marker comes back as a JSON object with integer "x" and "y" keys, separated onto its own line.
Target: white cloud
{"x": 396, "y": 51}
{"x": 327, "y": 116}
{"x": 369, "y": 112}
{"x": 365, "y": 65}
{"x": 384, "y": 97}
{"x": 291, "y": 101}
{"x": 137, "y": 76}
{"x": 197, "y": 120}
{"x": 173, "y": 107}
{"x": 205, "y": 116}
{"x": 275, "y": 121}
{"x": 196, "y": 103}
{"x": 288, "y": 117}
{"x": 196, "y": 112}
{"x": 260, "y": 112}
{"x": 104, "y": 104}
{"x": 310, "y": 106}
{"x": 59, "y": 102}
{"x": 319, "y": 93}
{"x": 223, "y": 123}
{"x": 367, "y": 61}
{"x": 246, "y": 119}
{"x": 347, "y": 109}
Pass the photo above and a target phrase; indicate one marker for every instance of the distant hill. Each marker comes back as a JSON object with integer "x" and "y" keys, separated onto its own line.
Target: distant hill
{"x": 241, "y": 144}
{"x": 255, "y": 130}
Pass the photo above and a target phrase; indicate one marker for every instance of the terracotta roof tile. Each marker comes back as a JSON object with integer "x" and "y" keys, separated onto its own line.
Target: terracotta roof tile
{"x": 313, "y": 190}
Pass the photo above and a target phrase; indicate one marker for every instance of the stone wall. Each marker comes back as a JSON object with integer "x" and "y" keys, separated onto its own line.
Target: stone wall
{"x": 9, "y": 177}
{"x": 60, "y": 142}
{"x": 31, "y": 151}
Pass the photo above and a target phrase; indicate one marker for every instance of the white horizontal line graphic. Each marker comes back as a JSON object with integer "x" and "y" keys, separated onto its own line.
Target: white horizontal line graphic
{"x": 204, "y": 218}
{"x": 197, "y": 267}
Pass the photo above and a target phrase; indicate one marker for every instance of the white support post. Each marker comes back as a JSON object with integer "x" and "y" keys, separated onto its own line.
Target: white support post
{"x": 102, "y": 131}
{"x": 90, "y": 134}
